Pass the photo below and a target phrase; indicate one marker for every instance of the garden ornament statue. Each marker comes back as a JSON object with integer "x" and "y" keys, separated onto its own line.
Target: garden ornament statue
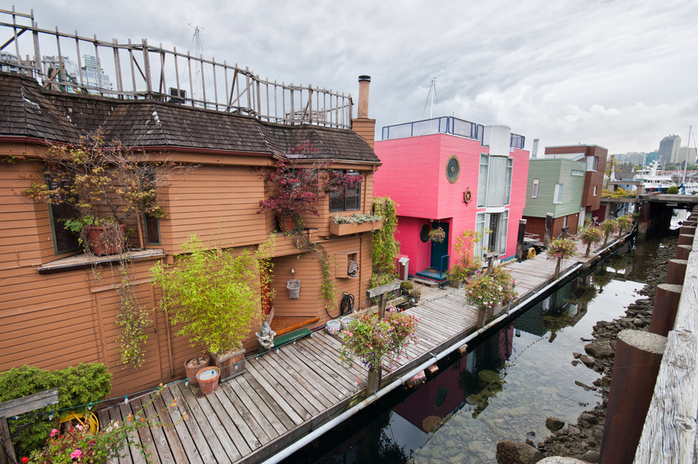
{"x": 265, "y": 336}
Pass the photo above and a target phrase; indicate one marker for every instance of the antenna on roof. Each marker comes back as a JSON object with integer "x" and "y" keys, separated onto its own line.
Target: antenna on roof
{"x": 431, "y": 99}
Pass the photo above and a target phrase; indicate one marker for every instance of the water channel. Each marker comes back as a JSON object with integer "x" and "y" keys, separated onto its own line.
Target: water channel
{"x": 503, "y": 389}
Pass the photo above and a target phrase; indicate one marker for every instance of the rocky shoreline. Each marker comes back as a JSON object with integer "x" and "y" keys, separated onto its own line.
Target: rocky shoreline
{"x": 583, "y": 439}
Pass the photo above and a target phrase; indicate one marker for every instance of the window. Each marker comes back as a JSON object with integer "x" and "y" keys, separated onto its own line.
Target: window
{"x": 577, "y": 173}
{"x": 347, "y": 198}
{"x": 534, "y": 189}
{"x": 64, "y": 240}
{"x": 510, "y": 171}
{"x": 595, "y": 189}
{"x": 494, "y": 182}
{"x": 592, "y": 162}
{"x": 151, "y": 224}
{"x": 557, "y": 196}
{"x": 482, "y": 181}
{"x": 480, "y": 229}
{"x": 494, "y": 237}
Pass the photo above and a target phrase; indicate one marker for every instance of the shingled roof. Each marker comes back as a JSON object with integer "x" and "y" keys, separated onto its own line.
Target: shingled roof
{"x": 30, "y": 111}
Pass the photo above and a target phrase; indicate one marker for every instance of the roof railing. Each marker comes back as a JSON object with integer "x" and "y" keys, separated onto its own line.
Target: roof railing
{"x": 135, "y": 71}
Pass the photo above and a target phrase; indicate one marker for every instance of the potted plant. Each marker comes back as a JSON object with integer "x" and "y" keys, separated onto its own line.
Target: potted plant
{"x": 295, "y": 187}
{"x": 370, "y": 338}
{"x": 487, "y": 290}
{"x": 625, "y": 223}
{"x": 437, "y": 235}
{"x": 561, "y": 249}
{"x": 215, "y": 295}
{"x": 207, "y": 378}
{"x": 590, "y": 235}
{"x": 103, "y": 184}
{"x": 356, "y": 223}
{"x": 609, "y": 226}
{"x": 193, "y": 365}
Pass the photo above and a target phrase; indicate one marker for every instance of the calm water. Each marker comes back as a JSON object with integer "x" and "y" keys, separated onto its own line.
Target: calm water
{"x": 503, "y": 389}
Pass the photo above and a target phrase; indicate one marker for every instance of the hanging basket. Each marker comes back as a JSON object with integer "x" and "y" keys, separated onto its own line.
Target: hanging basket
{"x": 294, "y": 288}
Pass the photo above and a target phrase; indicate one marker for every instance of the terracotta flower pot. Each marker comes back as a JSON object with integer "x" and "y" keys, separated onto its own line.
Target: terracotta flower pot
{"x": 208, "y": 379}
{"x": 103, "y": 241}
{"x": 193, "y": 365}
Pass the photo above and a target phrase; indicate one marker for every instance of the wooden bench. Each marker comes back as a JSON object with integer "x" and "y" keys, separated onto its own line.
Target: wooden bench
{"x": 289, "y": 337}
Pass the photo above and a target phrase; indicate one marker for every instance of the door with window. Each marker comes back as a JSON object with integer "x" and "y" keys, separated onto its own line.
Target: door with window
{"x": 439, "y": 251}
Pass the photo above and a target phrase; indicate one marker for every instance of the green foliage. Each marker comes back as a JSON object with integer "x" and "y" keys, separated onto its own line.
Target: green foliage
{"x": 673, "y": 190}
{"x": 370, "y": 338}
{"x": 329, "y": 290}
{"x": 77, "y": 386}
{"x": 618, "y": 193}
{"x": 625, "y": 223}
{"x": 487, "y": 290}
{"x": 133, "y": 319}
{"x": 385, "y": 247}
{"x": 466, "y": 266}
{"x": 80, "y": 444}
{"x": 590, "y": 235}
{"x": 561, "y": 248}
{"x": 406, "y": 286}
{"x": 437, "y": 235}
{"x": 609, "y": 226}
{"x": 213, "y": 293}
{"x": 356, "y": 218}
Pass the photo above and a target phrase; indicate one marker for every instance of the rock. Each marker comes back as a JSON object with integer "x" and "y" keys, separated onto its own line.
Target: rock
{"x": 590, "y": 456}
{"x": 513, "y": 452}
{"x": 560, "y": 460}
{"x": 576, "y": 355}
{"x": 600, "y": 349}
{"x": 554, "y": 423}
{"x": 587, "y": 360}
{"x": 589, "y": 417}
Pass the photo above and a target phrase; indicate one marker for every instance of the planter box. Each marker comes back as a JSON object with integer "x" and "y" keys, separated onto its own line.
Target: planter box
{"x": 227, "y": 364}
{"x": 346, "y": 229}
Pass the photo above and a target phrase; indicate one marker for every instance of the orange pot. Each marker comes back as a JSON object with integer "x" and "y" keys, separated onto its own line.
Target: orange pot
{"x": 208, "y": 379}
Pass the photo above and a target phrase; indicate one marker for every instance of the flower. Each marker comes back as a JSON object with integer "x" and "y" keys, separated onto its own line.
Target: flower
{"x": 485, "y": 289}
{"x": 54, "y": 432}
{"x": 25, "y": 459}
{"x": 76, "y": 454}
{"x": 369, "y": 338}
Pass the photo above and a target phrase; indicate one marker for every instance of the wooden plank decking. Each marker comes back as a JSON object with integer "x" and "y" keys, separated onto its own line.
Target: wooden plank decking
{"x": 291, "y": 391}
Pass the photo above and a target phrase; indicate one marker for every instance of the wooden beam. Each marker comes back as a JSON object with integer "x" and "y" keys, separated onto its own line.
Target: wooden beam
{"x": 377, "y": 291}
{"x": 29, "y": 403}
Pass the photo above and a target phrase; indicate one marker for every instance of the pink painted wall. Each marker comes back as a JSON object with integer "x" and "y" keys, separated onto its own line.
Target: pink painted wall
{"x": 413, "y": 174}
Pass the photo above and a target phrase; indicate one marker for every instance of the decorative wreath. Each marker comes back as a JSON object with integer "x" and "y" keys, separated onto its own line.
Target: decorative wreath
{"x": 467, "y": 196}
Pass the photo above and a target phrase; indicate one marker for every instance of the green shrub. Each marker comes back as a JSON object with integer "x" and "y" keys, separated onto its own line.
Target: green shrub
{"x": 77, "y": 386}
{"x": 673, "y": 190}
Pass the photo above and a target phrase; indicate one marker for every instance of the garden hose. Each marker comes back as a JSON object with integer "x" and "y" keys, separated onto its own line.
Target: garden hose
{"x": 87, "y": 419}
{"x": 347, "y": 304}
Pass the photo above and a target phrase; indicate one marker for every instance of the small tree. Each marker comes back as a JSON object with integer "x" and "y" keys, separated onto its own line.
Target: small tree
{"x": 561, "y": 249}
{"x": 609, "y": 226}
{"x": 625, "y": 223}
{"x": 466, "y": 265}
{"x": 370, "y": 338}
{"x": 214, "y": 293}
{"x": 489, "y": 289}
{"x": 589, "y": 236}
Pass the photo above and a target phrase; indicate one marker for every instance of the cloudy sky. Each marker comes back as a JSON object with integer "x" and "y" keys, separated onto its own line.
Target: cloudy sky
{"x": 617, "y": 73}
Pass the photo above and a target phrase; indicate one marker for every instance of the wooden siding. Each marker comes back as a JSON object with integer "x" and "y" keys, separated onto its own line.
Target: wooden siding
{"x": 550, "y": 172}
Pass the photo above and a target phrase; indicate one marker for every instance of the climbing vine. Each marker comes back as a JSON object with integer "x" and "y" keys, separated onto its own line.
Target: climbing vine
{"x": 385, "y": 247}
{"x": 134, "y": 320}
{"x": 329, "y": 291}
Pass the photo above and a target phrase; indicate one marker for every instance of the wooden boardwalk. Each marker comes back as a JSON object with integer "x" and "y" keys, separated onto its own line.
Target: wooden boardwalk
{"x": 291, "y": 391}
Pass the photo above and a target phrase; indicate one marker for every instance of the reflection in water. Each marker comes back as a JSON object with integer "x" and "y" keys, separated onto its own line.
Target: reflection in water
{"x": 504, "y": 388}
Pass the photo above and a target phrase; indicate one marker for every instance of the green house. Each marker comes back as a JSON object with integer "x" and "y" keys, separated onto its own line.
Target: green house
{"x": 555, "y": 185}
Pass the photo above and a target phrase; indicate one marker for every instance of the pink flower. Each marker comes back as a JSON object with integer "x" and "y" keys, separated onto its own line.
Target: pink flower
{"x": 54, "y": 432}
{"x": 76, "y": 454}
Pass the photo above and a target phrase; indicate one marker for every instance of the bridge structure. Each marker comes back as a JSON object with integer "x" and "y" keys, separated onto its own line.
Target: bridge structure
{"x": 656, "y": 211}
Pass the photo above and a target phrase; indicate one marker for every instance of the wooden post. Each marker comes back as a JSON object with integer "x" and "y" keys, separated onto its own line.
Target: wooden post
{"x": 688, "y": 228}
{"x": 682, "y": 251}
{"x": 644, "y": 221}
{"x": 564, "y": 231}
{"x": 548, "y": 228}
{"x": 685, "y": 239}
{"x": 635, "y": 368}
{"x": 381, "y": 293}
{"x": 15, "y": 408}
{"x": 676, "y": 272}
{"x": 520, "y": 239}
{"x": 666, "y": 304}
{"x": 373, "y": 382}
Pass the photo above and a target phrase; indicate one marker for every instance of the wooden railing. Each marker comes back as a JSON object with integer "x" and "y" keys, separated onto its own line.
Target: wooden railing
{"x": 144, "y": 71}
{"x": 669, "y": 433}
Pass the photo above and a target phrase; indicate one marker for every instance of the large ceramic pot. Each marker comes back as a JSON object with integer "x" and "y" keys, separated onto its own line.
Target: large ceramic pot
{"x": 193, "y": 365}
{"x": 106, "y": 240}
{"x": 208, "y": 379}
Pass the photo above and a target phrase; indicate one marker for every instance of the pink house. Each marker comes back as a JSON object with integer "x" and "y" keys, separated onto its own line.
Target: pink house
{"x": 457, "y": 175}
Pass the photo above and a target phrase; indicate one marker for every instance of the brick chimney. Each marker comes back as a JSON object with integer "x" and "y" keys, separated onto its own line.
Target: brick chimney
{"x": 362, "y": 125}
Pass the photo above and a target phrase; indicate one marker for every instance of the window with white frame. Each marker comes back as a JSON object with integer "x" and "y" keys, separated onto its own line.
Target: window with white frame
{"x": 510, "y": 171}
{"x": 592, "y": 162}
{"x": 494, "y": 182}
{"x": 534, "y": 189}
{"x": 595, "y": 189}
{"x": 557, "y": 195}
{"x": 482, "y": 181}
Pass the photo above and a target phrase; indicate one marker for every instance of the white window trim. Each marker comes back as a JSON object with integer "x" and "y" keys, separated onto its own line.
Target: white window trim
{"x": 557, "y": 193}
{"x": 534, "y": 189}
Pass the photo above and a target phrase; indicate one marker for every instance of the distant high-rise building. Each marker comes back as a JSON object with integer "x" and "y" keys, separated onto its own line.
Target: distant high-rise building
{"x": 669, "y": 149}
{"x": 692, "y": 154}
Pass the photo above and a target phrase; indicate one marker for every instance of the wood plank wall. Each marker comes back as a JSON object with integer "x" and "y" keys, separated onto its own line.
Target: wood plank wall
{"x": 56, "y": 320}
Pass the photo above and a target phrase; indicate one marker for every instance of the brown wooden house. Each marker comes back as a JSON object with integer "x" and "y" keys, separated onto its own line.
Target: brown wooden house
{"x": 56, "y": 310}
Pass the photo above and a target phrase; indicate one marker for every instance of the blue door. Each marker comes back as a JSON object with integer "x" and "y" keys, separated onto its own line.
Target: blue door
{"x": 439, "y": 251}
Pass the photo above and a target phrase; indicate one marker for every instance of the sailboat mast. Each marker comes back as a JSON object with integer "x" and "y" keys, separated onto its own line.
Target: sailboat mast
{"x": 685, "y": 161}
